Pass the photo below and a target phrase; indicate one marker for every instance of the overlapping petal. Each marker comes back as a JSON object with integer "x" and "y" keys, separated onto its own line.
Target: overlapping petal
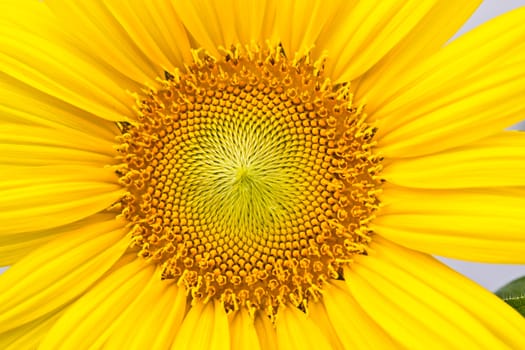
{"x": 43, "y": 57}
{"x": 29, "y": 145}
{"x": 39, "y": 198}
{"x": 473, "y": 224}
{"x": 494, "y": 161}
{"x": 25, "y": 105}
{"x": 59, "y": 271}
{"x": 339, "y": 311}
{"x": 363, "y": 32}
{"x": 471, "y": 89}
{"x": 86, "y": 322}
{"x": 422, "y": 303}
{"x": 429, "y": 36}
{"x": 454, "y": 178}
{"x": 205, "y": 326}
{"x": 295, "y": 330}
{"x": 151, "y": 320}
{"x": 245, "y": 336}
{"x": 224, "y": 23}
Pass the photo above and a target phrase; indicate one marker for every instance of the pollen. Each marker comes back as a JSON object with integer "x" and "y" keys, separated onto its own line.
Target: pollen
{"x": 250, "y": 178}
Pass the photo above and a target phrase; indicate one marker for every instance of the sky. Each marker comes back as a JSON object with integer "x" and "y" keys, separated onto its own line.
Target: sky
{"x": 488, "y": 275}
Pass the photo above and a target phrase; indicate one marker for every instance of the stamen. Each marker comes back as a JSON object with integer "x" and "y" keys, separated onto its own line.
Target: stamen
{"x": 250, "y": 178}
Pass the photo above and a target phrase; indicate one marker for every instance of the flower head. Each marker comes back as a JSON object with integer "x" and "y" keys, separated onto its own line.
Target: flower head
{"x": 262, "y": 175}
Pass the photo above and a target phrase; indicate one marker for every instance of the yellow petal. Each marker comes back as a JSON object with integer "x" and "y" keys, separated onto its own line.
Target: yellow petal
{"x": 88, "y": 318}
{"x": 176, "y": 312}
{"x": 353, "y": 326}
{"x": 13, "y": 251}
{"x": 227, "y": 22}
{"x": 297, "y": 331}
{"x": 471, "y": 89}
{"x": 59, "y": 271}
{"x": 29, "y": 335}
{"x": 139, "y": 40}
{"x": 152, "y": 26}
{"x": 265, "y": 331}
{"x": 423, "y": 304}
{"x": 474, "y": 224}
{"x": 363, "y": 32}
{"x": 317, "y": 311}
{"x": 299, "y": 24}
{"x": 498, "y": 160}
{"x": 29, "y": 145}
{"x": 243, "y": 334}
{"x": 38, "y": 198}
{"x": 430, "y": 34}
{"x": 41, "y": 56}
{"x": 150, "y": 321}
{"x": 205, "y": 327}
{"x": 27, "y": 106}
{"x": 15, "y": 246}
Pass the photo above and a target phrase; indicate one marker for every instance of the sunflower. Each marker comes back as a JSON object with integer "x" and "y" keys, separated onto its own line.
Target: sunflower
{"x": 257, "y": 175}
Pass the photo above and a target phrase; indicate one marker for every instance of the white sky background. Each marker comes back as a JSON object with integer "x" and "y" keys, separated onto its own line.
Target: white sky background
{"x": 488, "y": 275}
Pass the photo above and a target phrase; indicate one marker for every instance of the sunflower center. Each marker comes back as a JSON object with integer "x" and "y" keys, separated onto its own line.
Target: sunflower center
{"x": 250, "y": 178}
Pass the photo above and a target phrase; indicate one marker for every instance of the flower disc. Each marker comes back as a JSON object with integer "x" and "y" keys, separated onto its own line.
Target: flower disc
{"x": 251, "y": 178}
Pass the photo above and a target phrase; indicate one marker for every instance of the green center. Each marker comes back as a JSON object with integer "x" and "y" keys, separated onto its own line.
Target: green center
{"x": 251, "y": 179}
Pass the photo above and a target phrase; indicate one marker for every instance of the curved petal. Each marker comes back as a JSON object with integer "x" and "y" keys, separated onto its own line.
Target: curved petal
{"x": 363, "y": 32}
{"x": 317, "y": 311}
{"x": 35, "y": 52}
{"x": 151, "y": 320}
{"x": 424, "y": 304}
{"x": 471, "y": 89}
{"x": 297, "y": 331}
{"x": 430, "y": 34}
{"x": 243, "y": 334}
{"x": 495, "y": 161}
{"x": 87, "y": 319}
{"x": 265, "y": 331}
{"x": 13, "y": 251}
{"x": 152, "y": 26}
{"x": 38, "y": 198}
{"x": 137, "y": 40}
{"x": 29, "y": 335}
{"x": 59, "y": 271}
{"x": 24, "y": 105}
{"x": 29, "y": 145}
{"x": 173, "y": 320}
{"x": 225, "y": 23}
{"x": 357, "y": 331}
{"x": 15, "y": 246}
{"x": 204, "y": 325}
{"x": 473, "y": 224}
{"x": 299, "y": 24}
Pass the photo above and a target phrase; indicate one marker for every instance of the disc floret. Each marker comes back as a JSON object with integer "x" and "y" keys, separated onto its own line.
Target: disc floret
{"x": 250, "y": 178}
